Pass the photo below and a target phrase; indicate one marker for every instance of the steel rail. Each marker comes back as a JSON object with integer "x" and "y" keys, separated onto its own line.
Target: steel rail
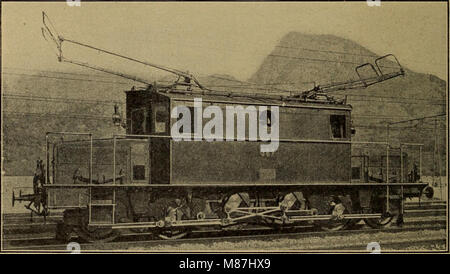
{"x": 53, "y": 245}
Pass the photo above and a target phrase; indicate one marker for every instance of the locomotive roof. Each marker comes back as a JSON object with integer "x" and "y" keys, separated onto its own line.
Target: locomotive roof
{"x": 255, "y": 99}
{"x": 248, "y": 98}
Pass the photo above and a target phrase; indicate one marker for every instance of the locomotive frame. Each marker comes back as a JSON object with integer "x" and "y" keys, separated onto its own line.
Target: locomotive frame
{"x": 374, "y": 201}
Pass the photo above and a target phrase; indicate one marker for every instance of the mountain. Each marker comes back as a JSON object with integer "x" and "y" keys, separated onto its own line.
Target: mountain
{"x": 300, "y": 59}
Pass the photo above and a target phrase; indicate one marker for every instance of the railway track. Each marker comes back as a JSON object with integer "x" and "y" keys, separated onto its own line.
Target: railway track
{"x": 394, "y": 246}
{"x": 409, "y": 222}
{"x": 431, "y": 217}
{"x": 48, "y": 242}
{"x": 146, "y": 241}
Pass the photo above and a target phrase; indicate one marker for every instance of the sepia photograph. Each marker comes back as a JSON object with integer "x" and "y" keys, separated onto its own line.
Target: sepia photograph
{"x": 224, "y": 127}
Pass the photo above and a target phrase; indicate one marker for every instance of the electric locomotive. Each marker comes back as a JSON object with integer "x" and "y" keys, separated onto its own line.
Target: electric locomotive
{"x": 150, "y": 180}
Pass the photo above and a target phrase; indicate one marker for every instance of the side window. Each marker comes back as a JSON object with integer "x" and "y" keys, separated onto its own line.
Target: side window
{"x": 140, "y": 122}
{"x": 338, "y": 127}
{"x": 160, "y": 119}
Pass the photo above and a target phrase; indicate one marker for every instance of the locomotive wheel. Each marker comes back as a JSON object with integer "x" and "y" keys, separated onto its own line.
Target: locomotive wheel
{"x": 384, "y": 221}
{"x": 235, "y": 201}
{"x": 334, "y": 225}
{"x": 63, "y": 232}
{"x": 95, "y": 234}
{"x": 353, "y": 223}
{"x": 339, "y": 225}
{"x": 173, "y": 234}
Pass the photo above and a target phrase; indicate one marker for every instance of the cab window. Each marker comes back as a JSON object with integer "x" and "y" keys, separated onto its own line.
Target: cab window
{"x": 140, "y": 122}
{"x": 338, "y": 128}
{"x": 160, "y": 119}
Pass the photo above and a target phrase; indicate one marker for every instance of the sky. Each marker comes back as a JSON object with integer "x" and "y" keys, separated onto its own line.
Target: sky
{"x": 220, "y": 38}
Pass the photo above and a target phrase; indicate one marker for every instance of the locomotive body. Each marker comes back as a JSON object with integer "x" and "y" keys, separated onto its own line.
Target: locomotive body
{"x": 305, "y": 136}
{"x": 146, "y": 180}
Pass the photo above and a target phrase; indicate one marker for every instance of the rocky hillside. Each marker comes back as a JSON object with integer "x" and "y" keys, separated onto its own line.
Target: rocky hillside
{"x": 300, "y": 59}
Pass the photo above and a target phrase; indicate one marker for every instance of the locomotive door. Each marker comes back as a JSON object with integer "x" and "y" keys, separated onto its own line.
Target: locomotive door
{"x": 160, "y": 153}
{"x": 360, "y": 168}
{"x": 139, "y": 161}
